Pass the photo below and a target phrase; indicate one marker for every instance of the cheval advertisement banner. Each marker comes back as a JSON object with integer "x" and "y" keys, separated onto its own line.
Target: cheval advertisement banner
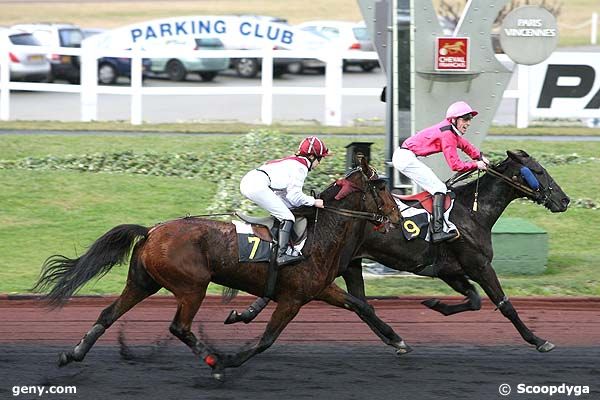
{"x": 566, "y": 85}
{"x": 452, "y": 54}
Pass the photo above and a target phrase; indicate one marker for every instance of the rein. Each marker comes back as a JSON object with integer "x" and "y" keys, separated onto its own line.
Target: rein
{"x": 357, "y": 214}
{"x": 490, "y": 170}
{"x": 527, "y": 190}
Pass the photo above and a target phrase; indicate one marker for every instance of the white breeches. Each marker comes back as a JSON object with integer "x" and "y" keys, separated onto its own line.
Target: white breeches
{"x": 408, "y": 164}
{"x": 255, "y": 186}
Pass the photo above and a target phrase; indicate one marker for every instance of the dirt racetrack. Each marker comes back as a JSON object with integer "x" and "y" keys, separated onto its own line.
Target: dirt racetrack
{"x": 326, "y": 353}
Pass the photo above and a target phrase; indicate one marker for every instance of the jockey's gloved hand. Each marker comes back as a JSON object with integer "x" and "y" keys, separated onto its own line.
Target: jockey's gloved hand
{"x": 485, "y": 160}
{"x": 319, "y": 203}
{"x": 481, "y": 165}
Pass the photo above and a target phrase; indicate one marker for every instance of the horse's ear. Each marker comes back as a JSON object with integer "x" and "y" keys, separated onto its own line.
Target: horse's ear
{"x": 517, "y": 155}
{"x": 525, "y": 159}
{"x": 369, "y": 171}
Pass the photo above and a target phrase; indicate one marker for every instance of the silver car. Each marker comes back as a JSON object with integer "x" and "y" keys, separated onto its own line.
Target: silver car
{"x": 25, "y": 65}
{"x": 346, "y": 36}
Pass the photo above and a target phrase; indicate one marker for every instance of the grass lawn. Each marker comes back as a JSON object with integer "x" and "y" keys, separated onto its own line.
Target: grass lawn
{"x": 45, "y": 211}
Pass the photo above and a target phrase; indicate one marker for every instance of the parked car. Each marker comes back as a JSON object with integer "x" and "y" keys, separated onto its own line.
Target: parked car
{"x": 348, "y": 36}
{"x": 60, "y": 35}
{"x": 26, "y": 65}
{"x": 249, "y": 67}
{"x": 178, "y": 68}
{"x": 111, "y": 68}
{"x": 304, "y": 64}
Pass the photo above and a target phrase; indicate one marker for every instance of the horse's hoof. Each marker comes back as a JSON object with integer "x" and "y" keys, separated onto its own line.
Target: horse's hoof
{"x": 402, "y": 348}
{"x": 233, "y": 317}
{"x": 545, "y": 347}
{"x": 431, "y": 303}
{"x": 63, "y": 359}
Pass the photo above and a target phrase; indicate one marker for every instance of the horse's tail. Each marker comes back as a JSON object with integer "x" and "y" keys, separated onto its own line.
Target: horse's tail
{"x": 65, "y": 275}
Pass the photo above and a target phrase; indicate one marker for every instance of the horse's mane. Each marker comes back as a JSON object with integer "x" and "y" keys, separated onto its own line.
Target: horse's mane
{"x": 465, "y": 189}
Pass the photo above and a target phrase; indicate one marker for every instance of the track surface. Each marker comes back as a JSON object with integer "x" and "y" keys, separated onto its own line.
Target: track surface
{"x": 324, "y": 353}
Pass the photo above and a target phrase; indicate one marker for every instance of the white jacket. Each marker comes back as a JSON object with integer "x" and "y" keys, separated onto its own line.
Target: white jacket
{"x": 287, "y": 177}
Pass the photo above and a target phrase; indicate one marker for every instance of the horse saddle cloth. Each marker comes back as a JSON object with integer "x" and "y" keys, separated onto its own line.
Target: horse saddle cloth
{"x": 417, "y": 213}
{"x": 255, "y": 236}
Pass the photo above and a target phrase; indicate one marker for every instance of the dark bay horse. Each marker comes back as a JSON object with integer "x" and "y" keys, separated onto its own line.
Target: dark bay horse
{"x": 185, "y": 255}
{"x": 469, "y": 257}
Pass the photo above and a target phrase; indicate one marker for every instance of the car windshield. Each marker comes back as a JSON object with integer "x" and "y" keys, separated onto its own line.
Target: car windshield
{"x": 361, "y": 33}
{"x": 70, "y": 37}
{"x": 24, "y": 39}
{"x": 209, "y": 42}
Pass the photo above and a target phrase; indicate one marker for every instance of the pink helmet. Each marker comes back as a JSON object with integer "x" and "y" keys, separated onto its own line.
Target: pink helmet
{"x": 313, "y": 145}
{"x": 459, "y": 109}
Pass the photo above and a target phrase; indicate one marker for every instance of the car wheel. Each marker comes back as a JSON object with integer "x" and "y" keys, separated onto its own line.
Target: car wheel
{"x": 176, "y": 70}
{"x": 296, "y": 68}
{"x": 208, "y": 76}
{"x": 247, "y": 67}
{"x": 107, "y": 74}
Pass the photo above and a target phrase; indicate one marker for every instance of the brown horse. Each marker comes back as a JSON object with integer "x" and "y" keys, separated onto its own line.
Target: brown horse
{"x": 185, "y": 255}
{"x": 469, "y": 257}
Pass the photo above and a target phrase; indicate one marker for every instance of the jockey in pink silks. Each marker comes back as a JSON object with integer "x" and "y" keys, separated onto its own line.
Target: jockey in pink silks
{"x": 446, "y": 137}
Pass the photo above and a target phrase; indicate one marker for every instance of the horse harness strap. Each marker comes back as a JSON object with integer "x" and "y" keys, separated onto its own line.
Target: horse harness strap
{"x": 514, "y": 184}
{"x": 357, "y": 214}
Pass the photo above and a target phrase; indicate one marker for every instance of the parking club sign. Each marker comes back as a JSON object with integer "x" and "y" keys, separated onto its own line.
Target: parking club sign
{"x": 452, "y": 54}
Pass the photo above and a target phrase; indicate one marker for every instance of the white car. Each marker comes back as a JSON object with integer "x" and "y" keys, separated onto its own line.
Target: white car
{"x": 25, "y": 65}
{"x": 58, "y": 35}
{"x": 347, "y": 36}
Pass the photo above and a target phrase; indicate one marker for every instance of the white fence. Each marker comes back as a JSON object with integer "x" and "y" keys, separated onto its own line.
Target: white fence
{"x": 89, "y": 88}
{"x": 333, "y": 91}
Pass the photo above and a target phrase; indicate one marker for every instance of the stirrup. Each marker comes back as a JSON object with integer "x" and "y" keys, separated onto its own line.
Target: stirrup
{"x": 438, "y": 237}
{"x": 286, "y": 259}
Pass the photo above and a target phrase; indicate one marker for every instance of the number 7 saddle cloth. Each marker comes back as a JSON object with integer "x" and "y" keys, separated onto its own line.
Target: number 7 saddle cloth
{"x": 255, "y": 237}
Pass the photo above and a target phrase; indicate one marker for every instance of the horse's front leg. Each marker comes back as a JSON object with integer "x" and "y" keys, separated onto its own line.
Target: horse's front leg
{"x": 285, "y": 311}
{"x": 354, "y": 280}
{"x": 335, "y": 296}
{"x": 486, "y": 278}
{"x": 462, "y": 285}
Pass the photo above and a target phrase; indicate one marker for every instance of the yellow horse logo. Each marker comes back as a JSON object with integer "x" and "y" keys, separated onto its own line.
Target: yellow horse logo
{"x": 454, "y": 48}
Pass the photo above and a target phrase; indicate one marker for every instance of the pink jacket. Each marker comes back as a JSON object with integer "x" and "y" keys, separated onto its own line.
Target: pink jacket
{"x": 442, "y": 138}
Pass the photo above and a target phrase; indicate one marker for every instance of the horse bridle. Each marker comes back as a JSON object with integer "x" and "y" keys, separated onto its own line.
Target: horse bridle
{"x": 539, "y": 196}
{"x": 377, "y": 218}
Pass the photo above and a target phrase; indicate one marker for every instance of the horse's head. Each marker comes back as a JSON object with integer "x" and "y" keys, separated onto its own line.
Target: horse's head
{"x": 362, "y": 190}
{"x": 522, "y": 168}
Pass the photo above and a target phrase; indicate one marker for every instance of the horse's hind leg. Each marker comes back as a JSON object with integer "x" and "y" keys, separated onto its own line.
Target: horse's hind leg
{"x": 462, "y": 285}
{"x": 487, "y": 279}
{"x": 335, "y": 296}
{"x": 285, "y": 311}
{"x": 139, "y": 286}
{"x": 181, "y": 327}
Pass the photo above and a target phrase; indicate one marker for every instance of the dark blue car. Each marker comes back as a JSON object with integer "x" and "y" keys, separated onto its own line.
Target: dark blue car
{"x": 111, "y": 68}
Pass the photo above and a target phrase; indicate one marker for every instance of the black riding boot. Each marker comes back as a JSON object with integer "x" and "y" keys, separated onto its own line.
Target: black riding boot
{"x": 260, "y": 303}
{"x": 438, "y": 234}
{"x": 285, "y": 230}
